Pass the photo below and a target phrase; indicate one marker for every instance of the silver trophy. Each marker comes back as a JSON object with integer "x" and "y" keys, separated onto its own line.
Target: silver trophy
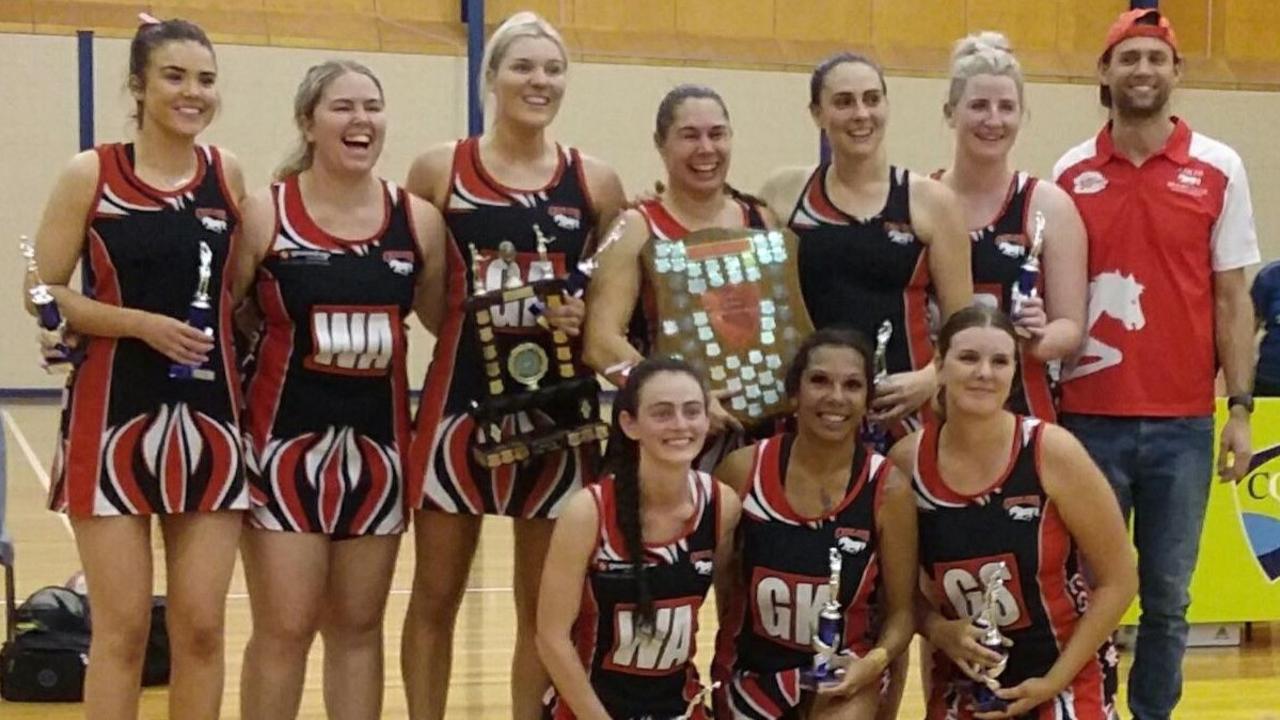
{"x": 984, "y": 692}
{"x": 1029, "y": 277}
{"x": 874, "y": 434}
{"x": 58, "y": 354}
{"x": 200, "y": 317}
{"x": 828, "y": 661}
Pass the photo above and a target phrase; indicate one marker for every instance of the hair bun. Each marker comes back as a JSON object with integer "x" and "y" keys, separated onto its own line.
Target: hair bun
{"x": 979, "y": 42}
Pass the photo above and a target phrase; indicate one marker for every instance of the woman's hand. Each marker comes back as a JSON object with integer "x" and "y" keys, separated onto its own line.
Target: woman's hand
{"x": 1023, "y": 698}
{"x": 1031, "y": 319}
{"x": 903, "y": 393}
{"x": 858, "y": 673}
{"x": 958, "y": 639}
{"x": 172, "y": 338}
{"x": 720, "y": 418}
{"x": 567, "y": 315}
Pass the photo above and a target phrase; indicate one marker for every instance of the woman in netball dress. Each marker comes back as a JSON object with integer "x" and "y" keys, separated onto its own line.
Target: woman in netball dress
{"x": 875, "y": 239}
{"x": 150, "y": 424}
{"x": 985, "y": 108}
{"x": 514, "y": 184}
{"x": 642, "y": 544}
{"x": 695, "y": 140}
{"x": 805, "y": 493}
{"x": 1011, "y": 499}
{"x": 342, "y": 258}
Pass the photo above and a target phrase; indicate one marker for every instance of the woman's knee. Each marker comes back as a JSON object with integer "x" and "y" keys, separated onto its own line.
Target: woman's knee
{"x": 122, "y": 640}
{"x": 197, "y": 634}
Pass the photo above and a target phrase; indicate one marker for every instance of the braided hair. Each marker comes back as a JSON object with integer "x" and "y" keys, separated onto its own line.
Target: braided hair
{"x": 622, "y": 460}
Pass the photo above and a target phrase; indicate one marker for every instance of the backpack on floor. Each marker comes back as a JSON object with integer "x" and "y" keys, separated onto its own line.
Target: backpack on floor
{"x": 46, "y": 659}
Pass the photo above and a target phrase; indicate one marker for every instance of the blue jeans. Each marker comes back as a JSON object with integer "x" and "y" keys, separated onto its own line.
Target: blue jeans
{"x": 1161, "y": 470}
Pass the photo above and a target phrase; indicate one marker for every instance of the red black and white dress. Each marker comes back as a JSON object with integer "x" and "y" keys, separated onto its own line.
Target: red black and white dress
{"x": 997, "y": 252}
{"x": 327, "y": 420}
{"x": 482, "y": 212}
{"x": 963, "y": 538}
{"x": 132, "y": 441}
{"x": 638, "y": 676}
{"x": 767, "y": 638}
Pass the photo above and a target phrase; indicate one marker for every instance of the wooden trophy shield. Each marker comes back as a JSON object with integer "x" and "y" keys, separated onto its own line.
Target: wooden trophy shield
{"x": 729, "y": 303}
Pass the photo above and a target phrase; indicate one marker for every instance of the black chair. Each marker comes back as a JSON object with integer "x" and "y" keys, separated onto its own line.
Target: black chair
{"x": 6, "y": 546}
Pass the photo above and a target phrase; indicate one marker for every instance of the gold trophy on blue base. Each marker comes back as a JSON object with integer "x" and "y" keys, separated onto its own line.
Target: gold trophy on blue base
{"x": 200, "y": 317}
{"x": 828, "y": 661}
{"x": 58, "y": 354}
{"x": 984, "y": 691}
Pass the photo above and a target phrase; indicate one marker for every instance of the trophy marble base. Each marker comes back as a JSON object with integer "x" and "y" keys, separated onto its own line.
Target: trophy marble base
{"x": 523, "y": 447}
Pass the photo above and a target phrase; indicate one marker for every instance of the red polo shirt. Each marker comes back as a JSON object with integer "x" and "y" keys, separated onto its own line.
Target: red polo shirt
{"x": 1157, "y": 233}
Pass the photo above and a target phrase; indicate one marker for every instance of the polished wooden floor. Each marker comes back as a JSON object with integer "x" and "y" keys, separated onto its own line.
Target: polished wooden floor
{"x": 1222, "y": 684}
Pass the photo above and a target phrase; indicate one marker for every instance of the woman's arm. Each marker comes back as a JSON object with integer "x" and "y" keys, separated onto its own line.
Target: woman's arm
{"x": 1058, "y": 327}
{"x": 565, "y": 570}
{"x": 781, "y": 191}
{"x": 59, "y": 242}
{"x": 611, "y": 298}
{"x": 939, "y": 224}
{"x": 607, "y": 195}
{"x": 257, "y": 228}
{"x": 430, "y": 292}
{"x": 899, "y": 563}
{"x": 429, "y": 174}
{"x": 1087, "y": 505}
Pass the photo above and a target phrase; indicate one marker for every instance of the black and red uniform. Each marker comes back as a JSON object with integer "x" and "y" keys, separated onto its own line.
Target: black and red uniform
{"x": 327, "y": 418}
{"x": 645, "y": 676}
{"x": 767, "y": 639}
{"x": 482, "y": 212}
{"x": 997, "y": 253}
{"x": 963, "y": 538}
{"x": 132, "y": 441}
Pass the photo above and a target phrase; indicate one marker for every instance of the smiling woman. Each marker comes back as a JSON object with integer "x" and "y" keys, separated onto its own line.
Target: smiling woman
{"x": 153, "y": 223}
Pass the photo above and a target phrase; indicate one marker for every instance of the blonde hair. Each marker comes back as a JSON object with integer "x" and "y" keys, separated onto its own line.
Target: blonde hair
{"x": 305, "y": 101}
{"x": 521, "y": 25}
{"x": 982, "y": 53}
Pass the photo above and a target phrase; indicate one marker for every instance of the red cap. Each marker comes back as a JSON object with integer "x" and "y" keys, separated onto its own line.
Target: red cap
{"x": 1127, "y": 26}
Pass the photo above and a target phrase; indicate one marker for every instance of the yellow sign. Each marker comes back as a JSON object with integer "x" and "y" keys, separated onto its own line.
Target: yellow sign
{"x": 1237, "y": 577}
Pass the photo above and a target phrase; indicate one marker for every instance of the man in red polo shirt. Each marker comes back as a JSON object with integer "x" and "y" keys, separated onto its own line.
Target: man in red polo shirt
{"x": 1171, "y": 230}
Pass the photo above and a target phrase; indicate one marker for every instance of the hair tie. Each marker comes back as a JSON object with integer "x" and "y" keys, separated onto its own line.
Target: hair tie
{"x": 147, "y": 19}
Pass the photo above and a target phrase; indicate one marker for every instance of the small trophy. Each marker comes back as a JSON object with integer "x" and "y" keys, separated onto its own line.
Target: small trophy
{"x": 1029, "y": 277}
{"x": 59, "y": 355}
{"x": 828, "y": 661}
{"x": 200, "y": 317}
{"x": 984, "y": 692}
{"x": 874, "y": 433}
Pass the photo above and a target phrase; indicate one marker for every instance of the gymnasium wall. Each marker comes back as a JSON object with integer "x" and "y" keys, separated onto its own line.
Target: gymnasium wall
{"x": 608, "y": 112}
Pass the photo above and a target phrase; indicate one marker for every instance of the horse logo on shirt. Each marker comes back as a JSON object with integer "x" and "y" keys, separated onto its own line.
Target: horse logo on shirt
{"x": 1120, "y": 297}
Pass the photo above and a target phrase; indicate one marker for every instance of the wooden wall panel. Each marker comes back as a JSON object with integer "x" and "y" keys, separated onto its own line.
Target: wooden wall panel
{"x": 841, "y": 21}
{"x": 1028, "y": 25}
{"x": 419, "y": 10}
{"x": 637, "y": 16}
{"x": 495, "y": 11}
{"x": 726, "y": 18}
{"x": 1252, "y": 30}
{"x": 17, "y": 16}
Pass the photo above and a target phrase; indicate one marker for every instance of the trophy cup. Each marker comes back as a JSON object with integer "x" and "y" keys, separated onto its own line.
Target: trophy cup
{"x": 828, "y": 661}
{"x": 1029, "y": 277}
{"x": 728, "y": 302}
{"x": 200, "y": 317}
{"x": 984, "y": 692}
{"x": 874, "y": 433}
{"x": 58, "y": 354}
{"x": 532, "y": 374}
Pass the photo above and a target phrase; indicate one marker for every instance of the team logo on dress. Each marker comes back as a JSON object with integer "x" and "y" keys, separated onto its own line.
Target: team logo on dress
{"x": 1117, "y": 296}
{"x": 352, "y": 340}
{"x": 1089, "y": 182}
{"x": 900, "y": 233}
{"x": 852, "y": 541}
{"x": 565, "y": 218}
{"x": 305, "y": 257}
{"x": 400, "y": 261}
{"x": 213, "y": 219}
{"x": 1012, "y": 245}
{"x": 1024, "y": 508}
{"x": 702, "y": 561}
{"x": 660, "y": 652}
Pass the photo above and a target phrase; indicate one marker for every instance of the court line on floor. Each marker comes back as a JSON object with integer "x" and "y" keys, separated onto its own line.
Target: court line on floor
{"x": 395, "y": 591}
{"x": 34, "y": 462}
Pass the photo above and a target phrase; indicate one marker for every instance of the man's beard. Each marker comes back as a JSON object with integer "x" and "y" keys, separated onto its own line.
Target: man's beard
{"x": 1130, "y": 110}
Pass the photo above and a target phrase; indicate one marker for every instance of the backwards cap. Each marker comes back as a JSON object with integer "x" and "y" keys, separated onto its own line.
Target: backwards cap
{"x": 1129, "y": 25}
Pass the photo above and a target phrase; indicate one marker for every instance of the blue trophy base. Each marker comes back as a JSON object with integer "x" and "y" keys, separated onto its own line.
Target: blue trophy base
{"x": 986, "y": 700}
{"x": 814, "y": 678}
{"x": 178, "y": 371}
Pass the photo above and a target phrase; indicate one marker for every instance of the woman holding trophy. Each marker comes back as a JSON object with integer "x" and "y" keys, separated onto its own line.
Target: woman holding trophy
{"x": 695, "y": 140}
{"x": 1015, "y": 221}
{"x": 521, "y": 208}
{"x": 637, "y": 552}
{"x": 1011, "y": 510}
{"x": 875, "y": 239}
{"x": 338, "y": 258}
{"x": 827, "y": 532}
{"x": 150, "y": 422}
